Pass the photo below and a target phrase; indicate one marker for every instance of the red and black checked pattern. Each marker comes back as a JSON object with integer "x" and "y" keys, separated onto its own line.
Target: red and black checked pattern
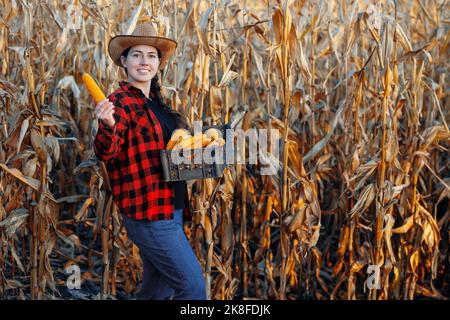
{"x": 130, "y": 151}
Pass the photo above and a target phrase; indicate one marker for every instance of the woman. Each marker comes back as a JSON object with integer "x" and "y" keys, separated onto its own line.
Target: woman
{"x": 134, "y": 125}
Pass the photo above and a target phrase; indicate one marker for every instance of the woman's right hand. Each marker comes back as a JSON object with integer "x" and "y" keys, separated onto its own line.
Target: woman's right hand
{"x": 104, "y": 111}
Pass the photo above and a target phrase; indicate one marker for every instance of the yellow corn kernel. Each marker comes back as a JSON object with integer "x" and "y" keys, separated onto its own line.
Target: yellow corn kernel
{"x": 93, "y": 88}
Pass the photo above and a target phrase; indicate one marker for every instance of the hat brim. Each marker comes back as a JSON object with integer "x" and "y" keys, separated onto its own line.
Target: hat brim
{"x": 118, "y": 44}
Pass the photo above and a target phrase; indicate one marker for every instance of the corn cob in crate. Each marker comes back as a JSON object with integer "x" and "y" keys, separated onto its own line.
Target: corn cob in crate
{"x": 197, "y": 141}
{"x": 183, "y": 140}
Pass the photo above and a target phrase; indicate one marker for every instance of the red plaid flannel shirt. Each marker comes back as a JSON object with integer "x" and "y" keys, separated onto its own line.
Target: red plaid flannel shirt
{"x": 131, "y": 154}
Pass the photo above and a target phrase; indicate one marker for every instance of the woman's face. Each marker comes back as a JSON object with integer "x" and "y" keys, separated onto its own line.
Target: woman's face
{"x": 142, "y": 63}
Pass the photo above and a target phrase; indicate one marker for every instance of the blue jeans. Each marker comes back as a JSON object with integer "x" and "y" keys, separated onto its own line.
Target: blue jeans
{"x": 171, "y": 268}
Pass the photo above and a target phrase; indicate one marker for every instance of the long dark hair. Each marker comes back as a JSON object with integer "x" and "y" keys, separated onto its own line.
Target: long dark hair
{"x": 155, "y": 93}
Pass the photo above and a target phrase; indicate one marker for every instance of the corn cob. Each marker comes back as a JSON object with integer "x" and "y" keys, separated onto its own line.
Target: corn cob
{"x": 213, "y": 133}
{"x": 177, "y": 136}
{"x": 192, "y": 141}
{"x": 185, "y": 143}
{"x": 93, "y": 88}
{"x": 179, "y": 133}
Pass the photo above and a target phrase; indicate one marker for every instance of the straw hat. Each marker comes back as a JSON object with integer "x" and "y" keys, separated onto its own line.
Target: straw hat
{"x": 144, "y": 33}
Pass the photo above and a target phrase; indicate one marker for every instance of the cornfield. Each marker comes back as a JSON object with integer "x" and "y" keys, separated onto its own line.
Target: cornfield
{"x": 357, "y": 89}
